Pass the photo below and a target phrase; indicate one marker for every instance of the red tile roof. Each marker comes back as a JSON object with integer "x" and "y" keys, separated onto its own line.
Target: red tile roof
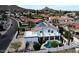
{"x": 24, "y": 19}
{"x": 36, "y": 20}
{"x": 76, "y": 26}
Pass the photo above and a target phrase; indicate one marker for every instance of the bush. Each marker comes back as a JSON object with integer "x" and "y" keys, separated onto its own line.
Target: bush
{"x": 36, "y": 46}
{"x": 61, "y": 44}
{"x": 54, "y": 44}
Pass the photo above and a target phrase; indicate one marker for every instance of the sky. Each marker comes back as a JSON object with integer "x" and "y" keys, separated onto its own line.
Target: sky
{"x": 56, "y": 7}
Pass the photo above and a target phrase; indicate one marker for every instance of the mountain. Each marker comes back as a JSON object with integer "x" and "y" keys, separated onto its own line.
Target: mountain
{"x": 2, "y": 7}
{"x": 7, "y": 7}
{"x": 48, "y": 9}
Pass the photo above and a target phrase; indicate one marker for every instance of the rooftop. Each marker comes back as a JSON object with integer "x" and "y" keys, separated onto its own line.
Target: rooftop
{"x": 36, "y": 20}
{"x": 76, "y": 26}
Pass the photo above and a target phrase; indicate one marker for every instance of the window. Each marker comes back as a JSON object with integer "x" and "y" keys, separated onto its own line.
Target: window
{"x": 57, "y": 37}
{"x": 48, "y": 30}
{"x": 41, "y": 31}
{"x": 52, "y": 31}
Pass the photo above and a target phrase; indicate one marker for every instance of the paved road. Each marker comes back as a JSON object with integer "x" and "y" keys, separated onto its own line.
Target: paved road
{"x": 7, "y": 37}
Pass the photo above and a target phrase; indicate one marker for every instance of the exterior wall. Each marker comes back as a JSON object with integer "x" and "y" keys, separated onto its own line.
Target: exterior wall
{"x": 46, "y": 33}
{"x": 31, "y": 39}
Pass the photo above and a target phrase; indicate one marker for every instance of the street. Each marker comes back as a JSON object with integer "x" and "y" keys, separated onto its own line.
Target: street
{"x": 8, "y": 36}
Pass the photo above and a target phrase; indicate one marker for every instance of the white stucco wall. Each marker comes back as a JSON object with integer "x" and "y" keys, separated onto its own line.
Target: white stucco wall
{"x": 31, "y": 39}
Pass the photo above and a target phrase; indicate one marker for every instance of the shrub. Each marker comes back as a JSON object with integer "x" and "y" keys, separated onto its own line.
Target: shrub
{"x": 61, "y": 44}
{"x": 36, "y": 46}
{"x": 54, "y": 44}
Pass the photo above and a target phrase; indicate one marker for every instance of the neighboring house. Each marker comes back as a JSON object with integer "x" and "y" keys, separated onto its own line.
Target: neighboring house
{"x": 24, "y": 23}
{"x": 38, "y": 33}
{"x": 71, "y": 14}
{"x": 76, "y": 28}
{"x": 41, "y": 24}
{"x": 45, "y": 15}
{"x": 66, "y": 20}
{"x": 54, "y": 19}
{"x": 37, "y": 20}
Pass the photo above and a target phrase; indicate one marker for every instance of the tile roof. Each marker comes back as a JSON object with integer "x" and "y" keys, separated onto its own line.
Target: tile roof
{"x": 36, "y": 20}
{"x": 54, "y": 17}
{"x": 24, "y": 19}
{"x": 76, "y": 26}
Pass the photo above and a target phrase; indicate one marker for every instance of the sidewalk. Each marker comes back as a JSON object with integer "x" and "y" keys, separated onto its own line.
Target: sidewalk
{"x": 18, "y": 39}
{"x": 14, "y": 38}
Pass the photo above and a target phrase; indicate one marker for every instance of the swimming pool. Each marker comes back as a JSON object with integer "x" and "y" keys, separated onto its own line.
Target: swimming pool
{"x": 52, "y": 44}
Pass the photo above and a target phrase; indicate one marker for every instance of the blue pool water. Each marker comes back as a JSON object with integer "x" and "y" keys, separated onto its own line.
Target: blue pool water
{"x": 48, "y": 45}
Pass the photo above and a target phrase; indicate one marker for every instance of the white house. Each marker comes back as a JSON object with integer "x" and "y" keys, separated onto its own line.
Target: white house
{"x": 41, "y": 32}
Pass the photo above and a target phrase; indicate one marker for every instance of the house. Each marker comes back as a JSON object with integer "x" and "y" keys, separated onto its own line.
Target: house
{"x": 44, "y": 15}
{"x": 75, "y": 27}
{"x": 54, "y": 19}
{"x": 41, "y": 33}
{"x": 24, "y": 23}
{"x": 71, "y": 14}
{"x": 41, "y": 24}
{"x": 36, "y": 20}
{"x": 66, "y": 20}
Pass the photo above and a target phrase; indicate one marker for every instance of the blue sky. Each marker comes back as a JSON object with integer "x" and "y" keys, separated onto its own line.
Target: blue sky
{"x": 57, "y": 7}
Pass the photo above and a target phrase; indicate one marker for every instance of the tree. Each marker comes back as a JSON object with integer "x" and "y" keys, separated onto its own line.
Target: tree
{"x": 61, "y": 44}
{"x": 61, "y": 30}
{"x": 68, "y": 36}
{"x": 16, "y": 45}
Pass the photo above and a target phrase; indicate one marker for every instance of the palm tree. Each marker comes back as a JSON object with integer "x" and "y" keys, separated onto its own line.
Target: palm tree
{"x": 68, "y": 36}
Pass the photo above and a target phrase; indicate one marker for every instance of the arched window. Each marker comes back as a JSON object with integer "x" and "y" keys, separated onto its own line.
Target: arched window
{"x": 48, "y": 30}
{"x": 52, "y": 31}
{"x": 41, "y": 31}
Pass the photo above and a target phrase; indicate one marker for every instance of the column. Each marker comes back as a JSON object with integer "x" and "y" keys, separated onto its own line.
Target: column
{"x": 54, "y": 37}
